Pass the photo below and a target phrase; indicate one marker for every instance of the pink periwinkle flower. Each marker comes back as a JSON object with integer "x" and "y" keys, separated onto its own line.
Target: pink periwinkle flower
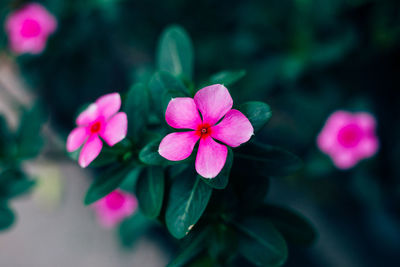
{"x": 217, "y": 121}
{"x": 100, "y": 119}
{"x": 113, "y": 208}
{"x": 348, "y": 138}
{"x": 29, "y": 27}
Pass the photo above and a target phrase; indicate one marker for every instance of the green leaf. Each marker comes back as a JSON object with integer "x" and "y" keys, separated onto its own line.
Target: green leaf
{"x": 132, "y": 228}
{"x": 14, "y": 183}
{"x": 261, "y": 243}
{"x": 110, "y": 180}
{"x": 6, "y": 139}
{"x": 222, "y": 179}
{"x": 187, "y": 201}
{"x": 163, "y": 87}
{"x": 227, "y": 77}
{"x": 150, "y": 156}
{"x": 29, "y": 139}
{"x": 258, "y": 113}
{"x": 267, "y": 160}
{"x": 7, "y": 217}
{"x": 175, "y": 52}
{"x": 191, "y": 248}
{"x": 150, "y": 191}
{"x": 294, "y": 227}
{"x": 136, "y": 106}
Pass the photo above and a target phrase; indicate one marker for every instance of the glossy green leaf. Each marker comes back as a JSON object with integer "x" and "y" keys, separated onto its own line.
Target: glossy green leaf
{"x": 164, "y": 86}
{"x": 150, "y": 191}
{"x": 190, "y": 248}
{"x": 187, "y": 201}
{"x": 258, "y": 113}
{"x": 267, "y": 160}
{"x": 175, "y": 52}
{"x": 132, "y": 228}
{"x": 293, "y": 226}
{"x": 29, "y": 139}
{"x": 7, "y": 217}
{"x": 227, "y": 77}
{"x": 107, "y": 182}
{"x": 261, "y": 243}
{"x": 150, "y": 156}
{"x": 222, "y": 179}
{"x": 136, "y": 106}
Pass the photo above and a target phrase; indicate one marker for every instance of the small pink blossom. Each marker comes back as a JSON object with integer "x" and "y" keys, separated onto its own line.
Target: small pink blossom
{"x": 29, "y": 27}
{"x": 100, "y": 119}
{"x": 214, "y": 103}
{"x": 115, "y": 207}
{"x": 348, "y": 138}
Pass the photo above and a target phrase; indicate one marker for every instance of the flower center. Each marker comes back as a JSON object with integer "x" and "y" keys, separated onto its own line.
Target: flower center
{"x": 204, "y": 130}
{"x": 115, "y": 200}
{"x": 30, "y": 28}
{"x": 350, "y": 135}
{"x": 95, "y": 128}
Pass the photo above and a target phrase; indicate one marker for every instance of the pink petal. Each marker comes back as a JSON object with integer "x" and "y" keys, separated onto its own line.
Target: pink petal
{"x": 178, "y": 146}
{"x": 90, "y": 114}
{"x": 110, "y": 215}
{"x": 345, "y": 159}
{"x": 109, "y": 104}
{"x": 76, "y": 138}
{"x": 367, "y": 147}
{"x": 115, "y": 129}
{"x": 214, "y": 102}
{"x": 211, "y": 158}
{"x": 182, "y": 113}
{"x": 234, "y": 129}
{"x": 366, "y": 121}
{"x": 90, "y": 151}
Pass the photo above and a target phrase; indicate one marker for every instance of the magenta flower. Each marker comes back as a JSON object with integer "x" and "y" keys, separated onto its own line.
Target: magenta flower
{"x": 214, "y": 103}
{"x": 115, "y": 207}
{"x": 29, "y": 27}
{"x": 100, "y": 119}
{"x": 348, "y": 138}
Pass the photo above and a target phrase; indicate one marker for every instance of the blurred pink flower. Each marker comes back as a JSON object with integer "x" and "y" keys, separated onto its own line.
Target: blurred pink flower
{"x": 29, "y": 27}
{"x": 214, "y": 103}
{"x": 100, "y": 119}
{"x": 348, "y": 138}
{"x": 115, "y": 207}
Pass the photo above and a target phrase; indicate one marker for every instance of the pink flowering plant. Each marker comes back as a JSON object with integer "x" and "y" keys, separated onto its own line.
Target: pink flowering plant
{"x": 29, "y": 27}
{"x": 348, "y": 138}
{"x": 186, "y": 156}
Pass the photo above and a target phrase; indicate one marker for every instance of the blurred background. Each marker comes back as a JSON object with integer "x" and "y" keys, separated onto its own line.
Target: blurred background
{"x": 305, "y": 58}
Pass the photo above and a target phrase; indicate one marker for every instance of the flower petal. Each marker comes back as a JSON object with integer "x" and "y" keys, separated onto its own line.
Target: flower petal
{"x": 109, "y": 104}
{"x": 178, "y": 146}
{"x": 214, "y": 102}
{"x": 90, "y": 114}
{"x": 90, "y": 151}
{"x": 76, "y": 138}
{"x": 182, "y": 113}
{"x": 234, "y": 129}
{"x": 115, "y": 129}
{"x": 211, "y": 158}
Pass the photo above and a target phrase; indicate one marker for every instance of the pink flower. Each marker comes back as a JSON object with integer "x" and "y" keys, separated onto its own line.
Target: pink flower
{"x": 115, "y": 207}
{"x": 29, "y": 27}
{"x": 214, "y": 103}
{"x": 348, "y": 138}
{"x": 100, "y": 119}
